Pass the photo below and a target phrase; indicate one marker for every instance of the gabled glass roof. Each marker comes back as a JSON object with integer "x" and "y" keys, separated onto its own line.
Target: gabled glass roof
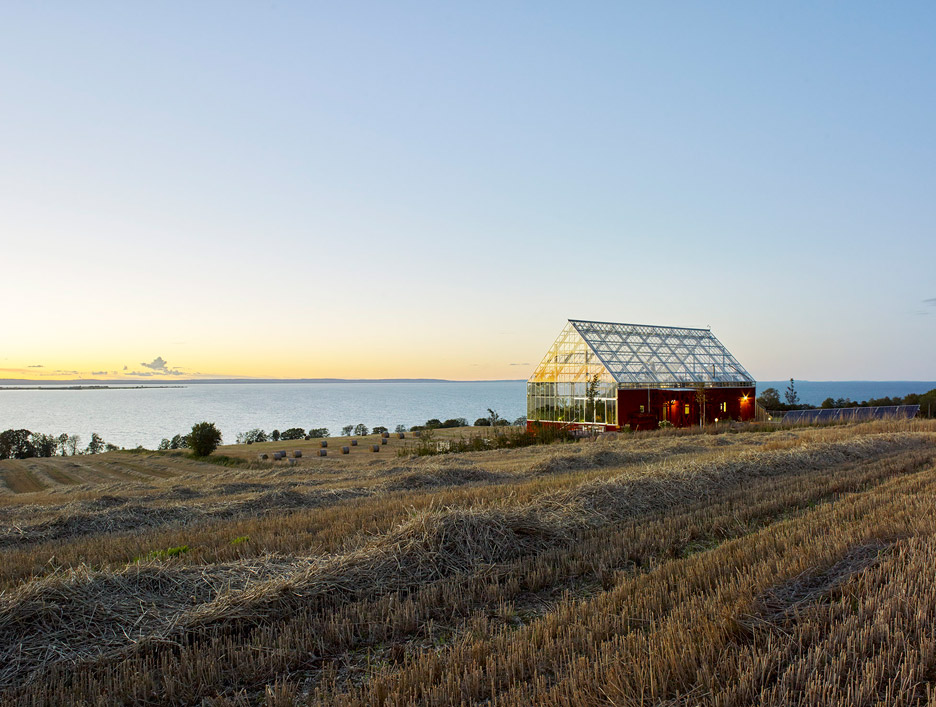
{"x": 638, "y": 356}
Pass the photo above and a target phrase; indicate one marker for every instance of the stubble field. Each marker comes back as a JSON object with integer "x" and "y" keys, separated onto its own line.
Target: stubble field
{"x": 790, "y": 567}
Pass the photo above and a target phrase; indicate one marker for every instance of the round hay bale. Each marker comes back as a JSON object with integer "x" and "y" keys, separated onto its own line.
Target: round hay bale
{"x": 297, "y": 454}
{"x": 383, "y": 440}
{"x": 263, "y": 457}
{"x": 375, "y": 447}
{"x": 276, "y": 456}
{"x": 401, "y": 435}
{"x": 323, "y": 452}
{"x": 346, "y": 450}
{"x": 353, "y": 442}
{"x": 291, "y": 462}
{"x": 384, "y": 434}
{"x": 324, "y": 443}
{"x": 282, "y": 454}
{"x": 416, "y": 433}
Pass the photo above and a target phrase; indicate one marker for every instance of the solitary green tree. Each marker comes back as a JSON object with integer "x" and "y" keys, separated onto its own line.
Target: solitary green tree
{"x": 204, "y": 438}
{"x": 590, "y": 394}
{"x": 96, "y": 445}
{"x": 792, "y": 397}
{"x": 769, "y": 399}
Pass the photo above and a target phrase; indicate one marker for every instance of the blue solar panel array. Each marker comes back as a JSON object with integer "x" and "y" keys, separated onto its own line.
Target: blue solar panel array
{"x": 885, "y": 412}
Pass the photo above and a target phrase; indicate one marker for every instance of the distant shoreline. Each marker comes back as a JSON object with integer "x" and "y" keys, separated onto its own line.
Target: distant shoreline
{"x": 97, "y": 383}
{"x": 86, "y": 387}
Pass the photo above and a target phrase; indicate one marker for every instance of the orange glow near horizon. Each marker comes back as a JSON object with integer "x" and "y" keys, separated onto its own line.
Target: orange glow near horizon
{"x": 166, "y": 369}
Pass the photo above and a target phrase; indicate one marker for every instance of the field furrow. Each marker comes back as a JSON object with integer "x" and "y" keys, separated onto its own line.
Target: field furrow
{"x": 596, "y": 573}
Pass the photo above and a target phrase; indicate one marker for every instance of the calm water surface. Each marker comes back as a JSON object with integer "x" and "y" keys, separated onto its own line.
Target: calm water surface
{"x": 133, "y": 416}
{"x": 130, "y": 417}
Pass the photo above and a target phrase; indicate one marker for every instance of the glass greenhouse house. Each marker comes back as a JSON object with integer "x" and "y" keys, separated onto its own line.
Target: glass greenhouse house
{"x": 611, "y": 375}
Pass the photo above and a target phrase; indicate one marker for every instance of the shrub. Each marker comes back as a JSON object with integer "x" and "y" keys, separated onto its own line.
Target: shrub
{"x": 165, "y": 554}
{"x": 204, "y": 438}
{"x": 537, "y": 433}
{"x": 347, "y": 430}
{"x": 360, "y": 429}
{"x": 15, "y": 444}
{"x": 482, "y": 422}
{"x": 433, "y": 424}
{"x": 379, "y": 430}
{"x": 45, "y": 444}
{"x": 293, "y": 433}
{"x": 317, "y": 432}
{"x": 275, "y": 435}
{"x": 251, "y": 436}
{"x": 455, "y": 422}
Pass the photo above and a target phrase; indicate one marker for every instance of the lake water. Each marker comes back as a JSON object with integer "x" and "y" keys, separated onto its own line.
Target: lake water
{"x": 142, "y": 416}
{"x": 133, "y": 416}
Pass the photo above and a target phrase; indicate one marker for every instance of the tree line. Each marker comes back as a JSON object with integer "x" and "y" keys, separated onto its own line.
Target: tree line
{"x": 769, "y": 399}
{"x": 359, "y": 430}
{"x": 23, "y": 444}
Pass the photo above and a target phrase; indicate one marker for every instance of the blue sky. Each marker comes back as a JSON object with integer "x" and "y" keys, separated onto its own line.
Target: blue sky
{"x": 415, "y": 189}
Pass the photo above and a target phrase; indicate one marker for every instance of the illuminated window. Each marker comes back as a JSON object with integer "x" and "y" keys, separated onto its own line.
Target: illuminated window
{"x": 724, "y": 407}
{"x": 687, "y": 409}
{"x": 641, "y": 408}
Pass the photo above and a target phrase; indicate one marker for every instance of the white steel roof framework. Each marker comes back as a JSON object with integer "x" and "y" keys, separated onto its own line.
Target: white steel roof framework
{"x": 641, "y": 356}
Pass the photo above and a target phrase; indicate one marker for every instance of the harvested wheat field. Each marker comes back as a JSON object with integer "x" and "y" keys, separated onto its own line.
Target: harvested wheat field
{"x": 672, "y": 568}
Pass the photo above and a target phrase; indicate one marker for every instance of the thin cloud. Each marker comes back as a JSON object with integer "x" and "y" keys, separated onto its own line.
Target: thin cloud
{"x": 931, "y": 301}
{"x": 98, "y": 373}
{"x": 518, "y": 364}
{"x": 158, "y": 364}
{"x": 167, "y": 372}
{"x": 35, "y": 365}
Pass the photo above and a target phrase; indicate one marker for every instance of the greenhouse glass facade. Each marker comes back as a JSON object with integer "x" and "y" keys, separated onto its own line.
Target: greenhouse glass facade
{"x": 572, "y": 385}
{"x": 610, "y": 375}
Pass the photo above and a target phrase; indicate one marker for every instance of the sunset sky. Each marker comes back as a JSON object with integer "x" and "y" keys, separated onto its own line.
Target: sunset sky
{"x": 371, "y": 190}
